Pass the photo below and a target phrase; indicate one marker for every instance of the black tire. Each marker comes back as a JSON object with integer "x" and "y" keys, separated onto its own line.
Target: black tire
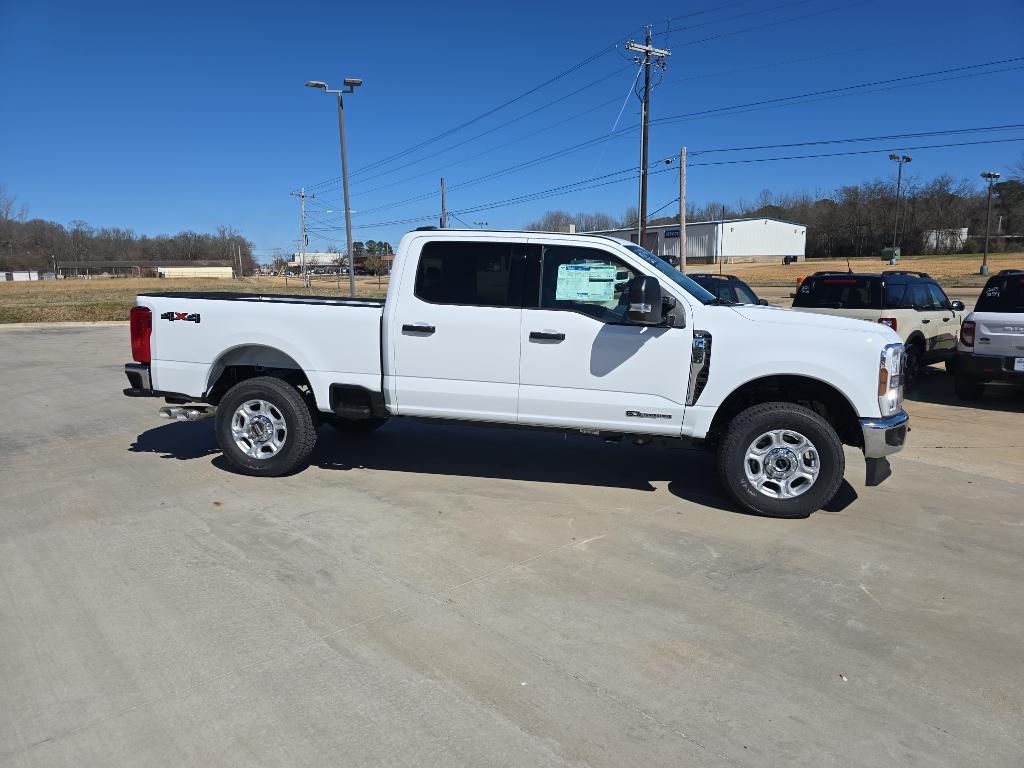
{"x": 967, "y": 387}
{"x": 355, "y": 427}
{"x": 757, "y": 420}
{"x": 299, "y": 436}
{"x": 913, "y": 372}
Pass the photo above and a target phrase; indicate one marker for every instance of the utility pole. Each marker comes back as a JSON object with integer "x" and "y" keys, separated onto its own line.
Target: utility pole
{"x": 991, "y": 177}
{"x": 682, "y": 210}
{"x": 444, "y": 207}
{"x": 301, "y": 194}
{"x": 350, "y": 83}
{"x": 659, "y": 55}
{"x": 901, "y": 159}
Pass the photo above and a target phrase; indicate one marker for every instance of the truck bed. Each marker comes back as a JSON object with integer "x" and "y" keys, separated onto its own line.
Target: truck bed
{"x": 274, "y": 298}
{"x": 197, "y": 334}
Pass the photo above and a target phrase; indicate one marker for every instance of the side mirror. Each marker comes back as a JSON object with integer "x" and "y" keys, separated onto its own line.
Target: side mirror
{"x": 763, "y": 302}
{"x": 645, "y": 306}
{"x": 957, "y": 305}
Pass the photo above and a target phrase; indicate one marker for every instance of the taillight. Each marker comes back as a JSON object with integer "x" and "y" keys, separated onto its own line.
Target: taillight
{"x": 890, "y": 321}
{"x": 967, "y": 333}
{"x": 140, "y": 321}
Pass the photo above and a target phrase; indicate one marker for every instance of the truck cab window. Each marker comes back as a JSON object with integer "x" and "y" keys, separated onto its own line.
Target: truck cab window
{"x": 585, "y": 280}
{"x": 473, "y": 274}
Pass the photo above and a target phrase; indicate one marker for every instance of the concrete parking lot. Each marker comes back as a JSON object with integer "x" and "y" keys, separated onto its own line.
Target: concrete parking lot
{"x": 474, "y": 597}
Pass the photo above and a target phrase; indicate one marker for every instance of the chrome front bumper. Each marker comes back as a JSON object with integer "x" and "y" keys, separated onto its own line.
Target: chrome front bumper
{"x": 884, "y": 436}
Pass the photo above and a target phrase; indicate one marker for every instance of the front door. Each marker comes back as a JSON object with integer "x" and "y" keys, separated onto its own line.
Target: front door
{"x": 583, "y": 364}
{"x": 455, "y": 338}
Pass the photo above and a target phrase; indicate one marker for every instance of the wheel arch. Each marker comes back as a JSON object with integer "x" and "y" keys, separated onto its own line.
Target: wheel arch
{"x": 818, "y": 395}
{"x": 917, "y": 339}
{"x": 246, "y": 361}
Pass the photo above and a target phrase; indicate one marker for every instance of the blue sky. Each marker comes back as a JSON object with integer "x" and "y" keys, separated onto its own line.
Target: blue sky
{"x": 171, "y": 116}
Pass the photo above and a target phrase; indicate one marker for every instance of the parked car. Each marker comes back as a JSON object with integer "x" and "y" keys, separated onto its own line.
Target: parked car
{"x": 991, "y": 345}
{"x": 728, "y": 288}
{"x": 911, "y": 303}
{"x": 559, "y": 331}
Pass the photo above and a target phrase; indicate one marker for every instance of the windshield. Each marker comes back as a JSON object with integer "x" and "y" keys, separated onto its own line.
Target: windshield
{"x": 690, "y": 286}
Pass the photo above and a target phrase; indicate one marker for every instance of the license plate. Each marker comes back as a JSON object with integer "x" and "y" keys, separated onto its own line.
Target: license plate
{"x": 1018, "y": 363}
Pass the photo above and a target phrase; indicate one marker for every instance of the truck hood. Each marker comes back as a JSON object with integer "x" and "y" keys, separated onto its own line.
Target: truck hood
{"x": 792, "y": 317}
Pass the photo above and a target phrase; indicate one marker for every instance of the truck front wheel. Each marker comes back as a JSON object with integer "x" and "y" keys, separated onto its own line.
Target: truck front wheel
{"x": 781, "y": 460}
{"x": 264, "y": 427}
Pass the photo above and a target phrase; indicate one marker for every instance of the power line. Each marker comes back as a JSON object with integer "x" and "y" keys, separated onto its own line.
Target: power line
{"x": 481, "y": 116}
{"x": 717, "y": 111}
{"x": 575, "y": 116}
{"x": 601, "y": 181}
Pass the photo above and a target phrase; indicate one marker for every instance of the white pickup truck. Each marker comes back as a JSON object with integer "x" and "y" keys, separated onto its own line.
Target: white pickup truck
{"x": 558, "y": 331}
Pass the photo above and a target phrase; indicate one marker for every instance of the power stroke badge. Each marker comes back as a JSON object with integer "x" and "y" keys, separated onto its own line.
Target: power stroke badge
{"x": 642, "y": 415}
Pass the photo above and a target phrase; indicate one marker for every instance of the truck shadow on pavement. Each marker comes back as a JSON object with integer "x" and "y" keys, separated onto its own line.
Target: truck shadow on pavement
{"x": 407, "y": 445}
{"x": 182, "y": 440}
{"x": 935, "y": 386}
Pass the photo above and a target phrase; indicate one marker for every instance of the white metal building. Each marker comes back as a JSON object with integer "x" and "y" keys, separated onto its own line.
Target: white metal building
{"x": 709, "y": 242}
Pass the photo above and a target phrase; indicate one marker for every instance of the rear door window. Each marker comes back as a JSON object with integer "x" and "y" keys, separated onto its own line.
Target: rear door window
{"x": 1002, "y": 294}
{"x": 839, "y": 292}
{"x": 894, "y": 295}
{"x": 467, "y": 273}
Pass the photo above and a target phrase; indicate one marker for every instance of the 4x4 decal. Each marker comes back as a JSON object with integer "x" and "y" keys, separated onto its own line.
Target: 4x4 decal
{"x": 191, "y": 317}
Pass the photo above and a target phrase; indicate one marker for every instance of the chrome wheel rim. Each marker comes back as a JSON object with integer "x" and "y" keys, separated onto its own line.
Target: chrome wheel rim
{"x": 782, "y": 464}
{"x": 259, "y": 429}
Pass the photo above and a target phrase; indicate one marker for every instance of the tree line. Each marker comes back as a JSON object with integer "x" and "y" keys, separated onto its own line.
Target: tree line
{"x": 857, "y": 220}
{"x": 27, "y": 243}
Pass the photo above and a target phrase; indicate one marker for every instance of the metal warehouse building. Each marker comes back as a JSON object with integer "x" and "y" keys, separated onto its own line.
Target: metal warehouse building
{"x": 710, "y": 242}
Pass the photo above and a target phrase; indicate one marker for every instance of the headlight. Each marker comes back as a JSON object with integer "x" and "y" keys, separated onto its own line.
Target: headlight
{"x": 890, "y": 379}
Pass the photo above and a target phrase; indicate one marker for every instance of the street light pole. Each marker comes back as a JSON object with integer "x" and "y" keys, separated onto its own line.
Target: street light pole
{"x": 991, "y": 177}
{"x": 351, "y": 83}
{"x": 901, "y": 159}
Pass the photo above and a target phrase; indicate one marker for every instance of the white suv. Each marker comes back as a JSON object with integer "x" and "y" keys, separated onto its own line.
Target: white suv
{"x": 911, "y": 303}
{"x": 991, "y": 345}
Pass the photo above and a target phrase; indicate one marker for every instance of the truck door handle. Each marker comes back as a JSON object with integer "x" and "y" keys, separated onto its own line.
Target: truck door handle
{"x": 546, "y": 336}
{"x": 926, "y": 321}
{"x": 418, "y": 328}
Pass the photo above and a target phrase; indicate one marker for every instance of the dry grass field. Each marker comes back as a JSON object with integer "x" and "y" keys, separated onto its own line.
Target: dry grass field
{"x": 952, "y": 271}
{"x": 111, "y": 298}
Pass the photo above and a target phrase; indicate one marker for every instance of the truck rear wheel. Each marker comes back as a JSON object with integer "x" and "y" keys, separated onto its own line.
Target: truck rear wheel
{"x": 781, "y": 460}
{"x": 265, "y": 428}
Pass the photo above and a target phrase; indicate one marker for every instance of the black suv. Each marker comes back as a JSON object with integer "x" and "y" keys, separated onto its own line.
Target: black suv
{"x": 727, "y": 288}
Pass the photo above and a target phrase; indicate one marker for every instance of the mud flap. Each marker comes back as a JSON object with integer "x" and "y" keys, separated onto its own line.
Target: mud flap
{"x": 877, "y": 471}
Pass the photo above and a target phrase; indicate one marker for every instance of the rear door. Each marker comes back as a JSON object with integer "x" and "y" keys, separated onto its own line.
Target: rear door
{"x": 583, "y": 364}
{"x": 455, "y": 334}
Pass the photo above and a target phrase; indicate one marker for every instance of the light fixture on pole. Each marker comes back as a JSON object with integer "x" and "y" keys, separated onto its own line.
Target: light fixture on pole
{"x": 350, "y": 83}
{"x": 480, "y": 224}
{"x": 991, "y": 177}
{"x": 901, "y": 159}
